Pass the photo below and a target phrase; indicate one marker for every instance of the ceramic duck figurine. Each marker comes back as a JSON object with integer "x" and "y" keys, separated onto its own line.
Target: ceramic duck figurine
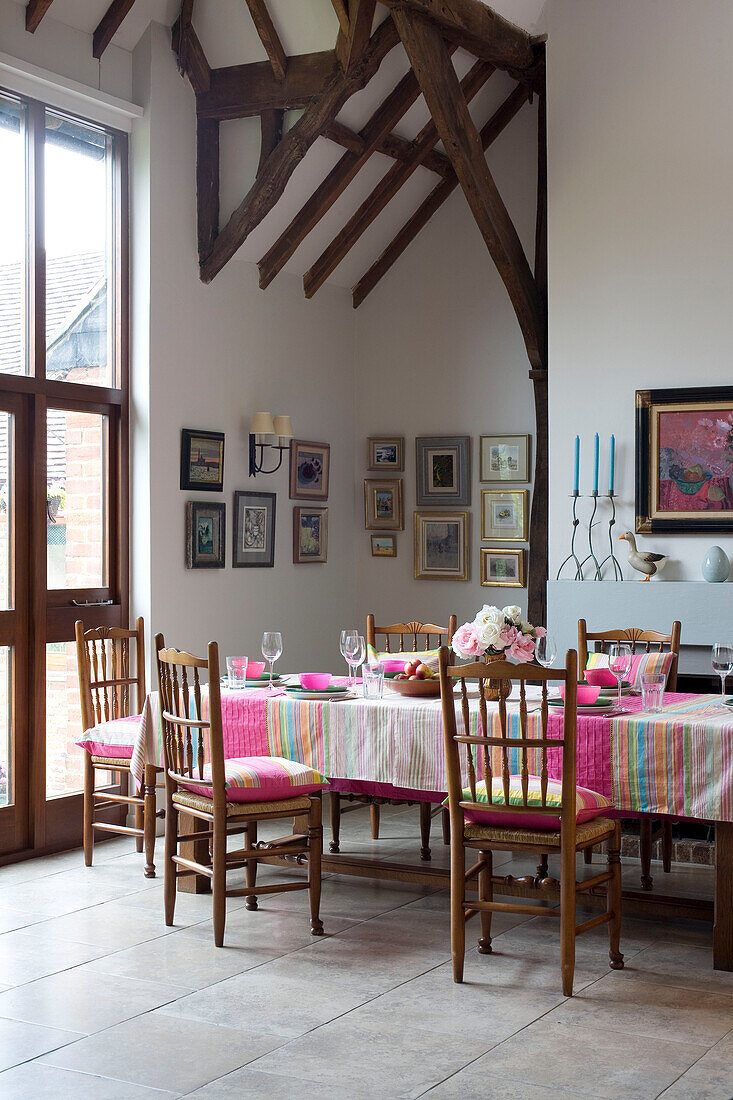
{"x": 642, "y": 560}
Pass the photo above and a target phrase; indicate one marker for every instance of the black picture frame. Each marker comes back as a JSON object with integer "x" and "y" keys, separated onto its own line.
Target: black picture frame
{"x": 199, "y": 555}
{"x": 648, "y": 519}
{"x": 191, "y": 438}
{"x": 247, "y": 528}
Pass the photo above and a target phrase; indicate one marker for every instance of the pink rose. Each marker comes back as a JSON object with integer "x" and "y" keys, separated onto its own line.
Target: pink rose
{"x": 509, "y": 635}
{"x": 465, "y": 643}
{"x": 540, "y": 631}
{"x": 522, "y": 650}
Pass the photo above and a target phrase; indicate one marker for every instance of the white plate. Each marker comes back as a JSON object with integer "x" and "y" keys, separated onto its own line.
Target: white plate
{"x": 604, "y": 708}
{"x": 324, "y": 696}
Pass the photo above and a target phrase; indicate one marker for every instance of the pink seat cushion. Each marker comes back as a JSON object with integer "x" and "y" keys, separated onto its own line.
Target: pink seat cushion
{"x": 262, "y": 779}
{"x": 114, "y": 739}
{"x": 641, "y": 663}
{"x": 588, "y": 804}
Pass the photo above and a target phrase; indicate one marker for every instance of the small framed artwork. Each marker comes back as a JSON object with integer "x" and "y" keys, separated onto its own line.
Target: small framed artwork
{"x": 504, "y": 514}
{"x": 502, "y": 567}
{"x": 202, "y": 460}
{"x": 384, "y": 546}
{"x": 504, "y": 458}
{"x": 254, "y": 530}
{"x": 386, "y": 453}
{"x": 441, "y": 546}
{"x": 205, "y": 532}
{"x": 684, "y": 459}
{"x": 309, "y": 470}
{"x": 310, "y": 535}
{"x": 443, "y": 470}
{"x": 383, "y": 504}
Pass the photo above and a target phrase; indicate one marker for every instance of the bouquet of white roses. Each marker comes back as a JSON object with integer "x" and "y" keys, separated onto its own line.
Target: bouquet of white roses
{"x": 497, "y": 632}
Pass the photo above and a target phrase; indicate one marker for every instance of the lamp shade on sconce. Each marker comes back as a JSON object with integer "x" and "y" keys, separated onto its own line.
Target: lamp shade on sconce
{"x": 262, "y": 424}
{"x": 283, "y": 427}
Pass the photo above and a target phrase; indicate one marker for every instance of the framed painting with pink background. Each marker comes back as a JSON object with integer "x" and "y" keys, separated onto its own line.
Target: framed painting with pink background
{"x": 684, "y": 459}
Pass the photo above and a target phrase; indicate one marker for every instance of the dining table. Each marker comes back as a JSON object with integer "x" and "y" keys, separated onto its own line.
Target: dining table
{"x": 677, "y": 763}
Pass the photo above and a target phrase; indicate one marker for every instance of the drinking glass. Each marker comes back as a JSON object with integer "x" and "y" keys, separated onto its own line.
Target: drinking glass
{"x": 343, "y": 645}
{"x": 372, "y": 679}
{"x": 545, "y": 651}
{"x": 722, "y": 661}
{"x": 652, "y": 691}
{"x": 237, "y": 672}
{"x": 619, "y": 664}
{"x": 355, "y": 655}
{"x": 272, "y": 647}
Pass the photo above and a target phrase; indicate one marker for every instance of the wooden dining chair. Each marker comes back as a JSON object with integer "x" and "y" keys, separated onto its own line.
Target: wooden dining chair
{"x": 484, "y": 820}
{"x": 649, "y": 641}
{"x": 421, "y": 637}
{"x": 197, "y": 783}
{"x": 111, "y": 667}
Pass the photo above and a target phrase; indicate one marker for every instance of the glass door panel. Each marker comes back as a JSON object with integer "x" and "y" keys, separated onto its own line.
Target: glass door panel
{"x": 6, "y": 728}
{"x": 77, "y": 499}
{"x": 13, "y": 270}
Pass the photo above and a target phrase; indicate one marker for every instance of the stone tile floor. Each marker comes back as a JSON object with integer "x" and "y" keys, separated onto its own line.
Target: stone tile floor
{"x": 99, "y": 1000}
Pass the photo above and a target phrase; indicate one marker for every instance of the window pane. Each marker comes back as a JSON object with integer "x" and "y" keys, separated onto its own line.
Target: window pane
{"x": 6, "y": 728}
{"x": 6, "y": 509}
{"x": 13, "y": 290}
{"x": 78, "y": 252}
{"x": 76, "y": 499}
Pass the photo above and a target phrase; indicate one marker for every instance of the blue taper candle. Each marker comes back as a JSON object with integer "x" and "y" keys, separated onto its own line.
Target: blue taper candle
{"x": 576, "y": 468}
{"x": 611, "y": 462}
{"x": 595, "y": 463}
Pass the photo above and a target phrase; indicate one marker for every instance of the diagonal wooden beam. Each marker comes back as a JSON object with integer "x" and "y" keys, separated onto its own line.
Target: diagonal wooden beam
{"x": 189, "y": 51}
{"x": 386, "y": 189}
{"x": 34, "y": 13}
{"x": 240, "y": 91}
{"x": 489, "y": 133}
{"x": 109, "y": 24}
{"x": 207, "y": 183}
{"x": 394, "y": 146}
{"x": 269, "y": 37}
{"x": 271, "y": 132}
{"x": 432, "y": 65}
{"x": 350, "y": 46}
{"x": 342, "y": 14}
{"x": 282, "y": 162}
{"x": 387, "y": 115}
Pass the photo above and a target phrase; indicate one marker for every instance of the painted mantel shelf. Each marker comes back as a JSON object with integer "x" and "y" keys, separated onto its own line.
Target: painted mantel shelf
{"x": 705, "y": 611}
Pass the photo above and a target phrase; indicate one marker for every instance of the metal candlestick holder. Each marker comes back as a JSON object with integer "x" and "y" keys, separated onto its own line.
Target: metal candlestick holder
{"x": 590, "y": 556}
{"x": 610, "y": 558}
{"x": 572, "y": 556}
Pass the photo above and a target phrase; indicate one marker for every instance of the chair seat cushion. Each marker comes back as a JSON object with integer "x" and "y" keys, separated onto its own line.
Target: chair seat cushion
{"x": 115, "y": 738}
{"x": 284, "y": 806}
{"x": 641, "y": 663}
{"x": 428, "y": 657}
{"x": 588, "y": 804}
{"x": 261, "y": 778}
{"x": 588, "y": 833}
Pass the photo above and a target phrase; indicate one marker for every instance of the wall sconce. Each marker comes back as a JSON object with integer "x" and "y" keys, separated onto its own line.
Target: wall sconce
{"x": 264, "y": 425}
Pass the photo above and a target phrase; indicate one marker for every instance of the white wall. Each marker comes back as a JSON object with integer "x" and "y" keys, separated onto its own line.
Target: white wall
{"x": 439, "y": 352}
{"x": 640, "y": 230}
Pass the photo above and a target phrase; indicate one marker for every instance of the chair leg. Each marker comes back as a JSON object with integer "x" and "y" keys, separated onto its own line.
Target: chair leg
{"x": 250, "y": 841}
{"x": 457, "y": 897}
{"x": 588, "y": 855}
{"x": 374, "y": 819}
{"x": 567, "y": 919}
{"x": 485, "y": 893}
{"x": 613, "y": 899}
{"x": 645, "y": 851}
{"x": 425, "y": 814}
{"x": 445, "y": 822}
{"x": 543, "y": 868}
{"x": 169, "y": 867}
{"x": 88, "y": 809}
{"x": 315, "y": 848}
{"x": 140, "y": 824}
{"x": 666, "y": 846}
{"x": 219, "y": 880}
{"x": 149, "y": 820}
{"x": 335, "y": 801}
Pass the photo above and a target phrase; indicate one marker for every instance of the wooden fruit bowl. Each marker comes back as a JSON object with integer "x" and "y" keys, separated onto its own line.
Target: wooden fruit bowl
{"x": 419, "y": 688}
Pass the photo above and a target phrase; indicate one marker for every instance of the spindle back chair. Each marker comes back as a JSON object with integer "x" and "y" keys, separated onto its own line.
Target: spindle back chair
{"x": 193, "y": 747}
{"x": 432, "y": 635}
{"x": 111, "y": 668}
{"x": 488, "y": 754}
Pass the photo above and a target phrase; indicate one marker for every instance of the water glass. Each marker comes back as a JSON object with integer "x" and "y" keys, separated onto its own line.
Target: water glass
{"x": 372, "y": 679}
{"x": 346, "y": 642}
{"x": 619, "y": 662}
{"x": 652, "y": 691}
{"x": 272, "y": 647}
{"x": 545, "y": 651}
{"x": 237, "y": 672}
{"x": 722, "y": 661}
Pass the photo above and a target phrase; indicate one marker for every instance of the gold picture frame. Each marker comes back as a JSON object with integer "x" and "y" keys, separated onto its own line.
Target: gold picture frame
{"x": 504, "y": 515}
{"x": 386, "y": 453}
{"x": 504, "y": 458}
{"x": 384, "y": 546}
{"x": 511, "y": 575}
{"x": 383, "y": 504}
{"x": 441, "y": 546}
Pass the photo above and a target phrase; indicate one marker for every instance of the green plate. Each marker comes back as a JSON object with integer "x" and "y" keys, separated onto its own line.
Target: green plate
{"x": 318, "y": 691}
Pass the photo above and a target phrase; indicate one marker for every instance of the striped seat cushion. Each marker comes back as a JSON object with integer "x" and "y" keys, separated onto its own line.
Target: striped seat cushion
{"x": 588, "y": 804}
{"x": 261, "y": 778}
{"x": 428, "y": 657}
{"x": 115, "y": 738}
{"x": 640, "y": 664}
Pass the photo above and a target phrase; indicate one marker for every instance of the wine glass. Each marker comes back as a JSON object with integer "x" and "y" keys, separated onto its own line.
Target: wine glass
{"x": 619, "y": 664}
{"x": 355, "y": 655}
{"x": 722, "y": 662}
{"x": 272, "y": 647}
{"x": 343, "y": 645}
{"x": 545, "y": 651}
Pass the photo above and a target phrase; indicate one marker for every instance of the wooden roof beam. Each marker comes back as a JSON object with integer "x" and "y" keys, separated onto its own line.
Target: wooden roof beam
{"x": 387, "y": 188}
{"x": 34, "y": 13}
{"x": 342, "y": 14}
{"x": 189, "y": 51}
{"x": 489, "y": 133}
{"x": 282, "y": 162}
{"x": 269, "y": 37}
{"x": 109, "y": 25}
{"x": 350, "y": 46}
{"x": 240, "y": 91}
{"x": 387, "y": 115}
{"x": 447, "y": 104}
{"x": 394, "y": 146}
